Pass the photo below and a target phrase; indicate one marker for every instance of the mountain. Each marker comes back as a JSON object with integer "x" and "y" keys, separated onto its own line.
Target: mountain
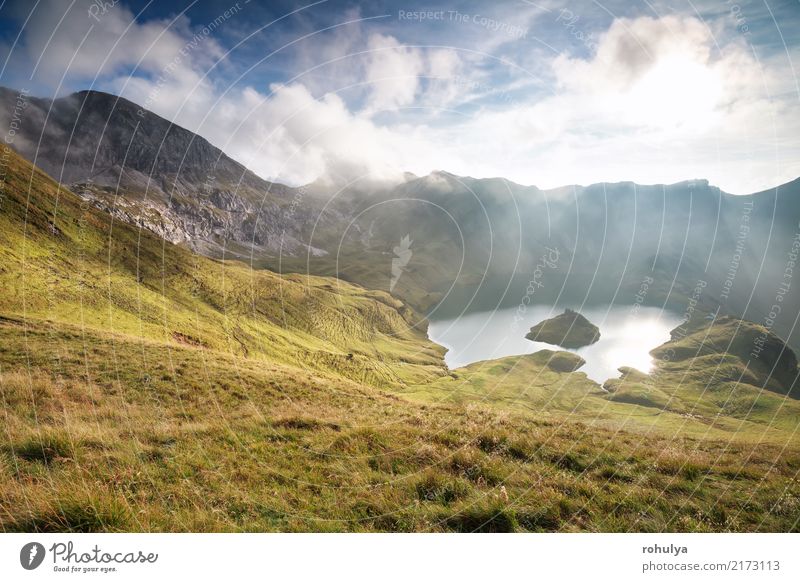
{"x": 150, "y": 172}
{"x": 732, "y": 351}
{"x": 148, "y": 388}
{"x": 483, "y": 244}
{"x": 475, "y": 244}
{"x": 704, "y": 382}
{"x": 66, "y": 263}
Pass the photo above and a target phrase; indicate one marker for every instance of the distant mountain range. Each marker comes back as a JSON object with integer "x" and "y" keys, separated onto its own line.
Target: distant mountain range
{"x": 475, "y": 243}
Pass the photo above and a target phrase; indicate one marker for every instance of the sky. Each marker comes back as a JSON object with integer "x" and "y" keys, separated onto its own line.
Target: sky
{"x": 545, "y": 92}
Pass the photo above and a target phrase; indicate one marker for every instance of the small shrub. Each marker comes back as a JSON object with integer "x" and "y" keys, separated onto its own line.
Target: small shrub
{"x": 392, "y": 463}
{"x": 493, "y": 443}
{"x": 520, "y": 450}
{"x": 568, "y": 461}
{"x": 303, "y": 423}
{"x": 502, "y": 444}
{"x": 567, "y": 508}
{"x": 612, "y": 474}
{"x": 476, "y": 469}
{"x": 360, "y": 441}
{"x": 691, "y": 471}
{"x": 740, "y": 473}
{"x": 449, "y": 438}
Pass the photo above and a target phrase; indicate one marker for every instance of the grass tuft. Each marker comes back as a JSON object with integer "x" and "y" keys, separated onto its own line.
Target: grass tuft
{"x": 47, "y": 448}
{"x": 88, "y": 515}
{"x": 438, "y": 488}
{"x": 485, "y": 517}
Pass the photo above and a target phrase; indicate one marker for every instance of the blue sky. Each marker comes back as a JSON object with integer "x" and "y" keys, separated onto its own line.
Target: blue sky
{"x": 546, "y": 92}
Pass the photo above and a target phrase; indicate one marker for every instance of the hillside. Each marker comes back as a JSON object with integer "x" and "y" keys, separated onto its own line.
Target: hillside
{"x": 145, "y": 388}
{"x": 478, "y": 243}
{"x": 64, "y": 261}
{"x": 703, "y": 396}
{"x": 150, "y": 172}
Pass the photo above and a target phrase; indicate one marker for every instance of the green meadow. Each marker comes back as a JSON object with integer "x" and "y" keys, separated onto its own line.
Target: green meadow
{"x": 146, "y": 388}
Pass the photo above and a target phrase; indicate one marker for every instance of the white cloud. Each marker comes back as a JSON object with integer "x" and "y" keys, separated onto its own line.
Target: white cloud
{"x": 392, "y": 73}
{"x": 655, "y": 103}
{"x": 291, "y": 136}
{"x": 629, "y": 49}
{"x": 288, "y": 134}
{"x": 63, "y": 39}
{"x": 447, "y": 79}
{"x": 658, "y": 101}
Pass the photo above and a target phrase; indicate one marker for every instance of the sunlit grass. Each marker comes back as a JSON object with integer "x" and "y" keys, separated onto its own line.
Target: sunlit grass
{"x": 143, "y": 388}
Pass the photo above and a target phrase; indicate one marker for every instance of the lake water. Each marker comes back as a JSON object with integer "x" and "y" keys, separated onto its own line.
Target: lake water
{"x": 626, "y": 337}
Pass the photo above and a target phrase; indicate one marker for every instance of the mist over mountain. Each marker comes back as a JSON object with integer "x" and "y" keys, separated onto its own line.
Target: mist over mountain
{"x": 480, "y": 244}
{"x": 401, "y": 267}
{"x": 151, "y": 172}
{"x": 475, "y": 243}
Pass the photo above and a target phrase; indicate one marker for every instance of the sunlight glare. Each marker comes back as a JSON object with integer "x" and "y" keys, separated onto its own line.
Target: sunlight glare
{"x": 676, "y": 93}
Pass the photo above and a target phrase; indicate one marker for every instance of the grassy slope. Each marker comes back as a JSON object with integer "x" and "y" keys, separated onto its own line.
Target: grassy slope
{"x": 705, "y": 383}
{"x": 669, "y": 403}
{"x": 82, "y": 268}
{"x": 144, "y": 388}
{"x": 145, "y": 436}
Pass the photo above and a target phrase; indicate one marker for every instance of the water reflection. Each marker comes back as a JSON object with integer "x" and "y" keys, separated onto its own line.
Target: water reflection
{"x": 625, "y": 338}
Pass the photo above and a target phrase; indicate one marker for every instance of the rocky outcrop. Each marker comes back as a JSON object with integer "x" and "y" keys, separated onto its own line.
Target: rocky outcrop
{"x": 569, "y": 330}
{"x": 565, "y": 362}
{"x": 152, "y": 173}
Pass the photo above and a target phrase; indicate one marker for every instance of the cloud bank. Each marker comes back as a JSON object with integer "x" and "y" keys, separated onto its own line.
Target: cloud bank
{"x": 644, "y": 97}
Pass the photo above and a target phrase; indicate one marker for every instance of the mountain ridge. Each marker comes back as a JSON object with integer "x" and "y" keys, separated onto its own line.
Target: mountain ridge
{"x": 476, "y": 239}
{"x": 151, "y": 172}
{"x": 122, "y": 103}
{"x": 201, "y": 394}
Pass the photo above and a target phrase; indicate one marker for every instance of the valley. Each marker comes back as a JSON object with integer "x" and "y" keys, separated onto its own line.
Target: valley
{"x": 477, "y": 243}
{"x": 153, "y": 379}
